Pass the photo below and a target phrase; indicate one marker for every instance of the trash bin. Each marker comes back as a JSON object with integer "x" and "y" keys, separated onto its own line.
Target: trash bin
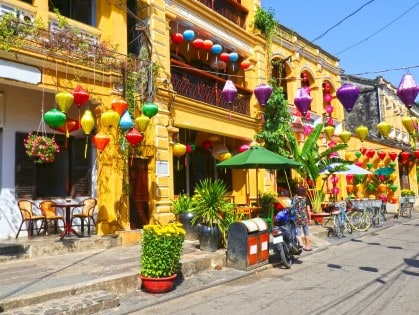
{"x": 247, "y": 244}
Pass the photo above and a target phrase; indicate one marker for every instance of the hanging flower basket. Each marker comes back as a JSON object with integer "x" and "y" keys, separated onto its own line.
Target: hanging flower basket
{"x": 41, "y": 148}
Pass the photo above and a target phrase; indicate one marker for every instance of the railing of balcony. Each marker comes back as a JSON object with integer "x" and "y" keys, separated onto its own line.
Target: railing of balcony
{"x": 207, "y": 88}
{"x": 230, "y": 9}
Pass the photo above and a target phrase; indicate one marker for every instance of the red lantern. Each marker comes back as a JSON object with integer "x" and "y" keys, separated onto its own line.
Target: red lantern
{"x": 80, "y": 96}
{"x": 363, "y": 150}
{"x": 416, "y": 154}
{"x": 69, "y": 126}
{"x": 392, "y": 155}
{"x": 370, "y": 153}
{"x": 208, "y": 45}
{"x": 120, "y": 106}
{"x": 188, "y": 148}
{"x": 207, "y": 144}
{"x": 198, "y": 45}
{"x": 101, "y": 140}
{"x": 225, "y": 57}
{"x": 134, "y": 137}
{"x": 177, "y": 38}
{"x": 349, "y": 178}
{"x": 405, "y": 156}
{"x": 381, "y": 155}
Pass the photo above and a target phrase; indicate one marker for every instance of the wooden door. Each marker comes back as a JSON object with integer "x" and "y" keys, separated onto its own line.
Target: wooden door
{"x": 138, "y": 201}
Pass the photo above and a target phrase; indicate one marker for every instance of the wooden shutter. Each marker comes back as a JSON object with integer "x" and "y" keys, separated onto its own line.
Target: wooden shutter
{"x": 24, "y": 171}
{"x": 80, "y": 167}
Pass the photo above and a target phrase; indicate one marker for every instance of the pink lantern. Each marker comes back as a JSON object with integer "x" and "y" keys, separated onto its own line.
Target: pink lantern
{"x": 244, "y": 147}
{"x": 188, "y": 148}
{"x": 327, "y": 98}
{"x": 335, "y": 190}
{"x": 407, "y": 90}
{"x": 302, "y": 100}
{"x": 347, "y": 95}
{"x": 262, "y": 93}
{"x": 307, "y": 129}
{"x": 334, "y": 179}
{"x": 207, "y": 144}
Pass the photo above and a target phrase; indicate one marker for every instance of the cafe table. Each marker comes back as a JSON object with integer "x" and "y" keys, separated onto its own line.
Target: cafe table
{"x": 68, "y": 229}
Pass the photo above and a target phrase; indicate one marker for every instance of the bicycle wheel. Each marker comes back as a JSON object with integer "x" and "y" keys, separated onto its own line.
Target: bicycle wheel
{"x": 347, "y": 226}
{"x": 360, "y": 221}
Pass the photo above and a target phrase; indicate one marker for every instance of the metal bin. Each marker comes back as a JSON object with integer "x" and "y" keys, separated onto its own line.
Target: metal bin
{"x": 247, "y": 244}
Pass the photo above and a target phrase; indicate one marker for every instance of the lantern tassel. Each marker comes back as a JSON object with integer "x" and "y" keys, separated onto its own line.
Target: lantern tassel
{"x": 85, "y": 147}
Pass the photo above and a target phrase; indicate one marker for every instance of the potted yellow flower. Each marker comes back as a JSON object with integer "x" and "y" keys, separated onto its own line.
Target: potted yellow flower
{"x": 161, "y": 248}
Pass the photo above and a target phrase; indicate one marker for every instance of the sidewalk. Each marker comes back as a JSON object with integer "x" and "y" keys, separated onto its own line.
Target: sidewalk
{"x": 97, "y": 280}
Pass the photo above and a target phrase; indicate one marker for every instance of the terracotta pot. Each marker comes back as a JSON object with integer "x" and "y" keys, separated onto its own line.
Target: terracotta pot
{"x": 158, "y": 285}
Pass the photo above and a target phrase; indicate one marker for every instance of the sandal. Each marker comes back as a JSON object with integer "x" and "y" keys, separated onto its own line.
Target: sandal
{"x": 307, "y": 249}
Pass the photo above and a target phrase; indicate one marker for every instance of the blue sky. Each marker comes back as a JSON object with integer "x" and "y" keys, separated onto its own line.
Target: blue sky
{"x": 395, "y": 44}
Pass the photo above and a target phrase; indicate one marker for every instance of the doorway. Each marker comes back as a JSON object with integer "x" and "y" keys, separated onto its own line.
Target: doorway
{"x": 138, "y": 199}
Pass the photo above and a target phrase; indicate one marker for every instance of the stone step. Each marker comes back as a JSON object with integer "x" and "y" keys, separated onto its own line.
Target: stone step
{"x": 77, "y": 304}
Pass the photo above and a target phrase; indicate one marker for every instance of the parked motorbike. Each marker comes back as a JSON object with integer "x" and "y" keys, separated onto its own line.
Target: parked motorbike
{"x": 284, "y": 241}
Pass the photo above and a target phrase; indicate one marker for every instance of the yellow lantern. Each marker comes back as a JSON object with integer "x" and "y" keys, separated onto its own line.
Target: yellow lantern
{"x": 142, "y": 122}
{"x": 361, "y": 132}
{"x": 87, "y": 122}
{"x": 345, "y": 136}
{"x": 409, "y": 122}
{"x": 110, "y": 119}
{"x": 348, "y": 156}
{"x": 384, "y": 128}
{"x": 328, "y": 131}
{"x": 179, "y": 149}
{"x": 64, "y": 101}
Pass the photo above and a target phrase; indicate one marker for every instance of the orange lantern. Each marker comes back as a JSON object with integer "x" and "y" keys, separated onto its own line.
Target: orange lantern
{"x": 69, "y": 126}
{"x": 120, "y": 106}
{"x": 101, "y": 141}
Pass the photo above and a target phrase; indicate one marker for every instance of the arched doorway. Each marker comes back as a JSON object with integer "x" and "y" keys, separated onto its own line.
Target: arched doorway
{"x": 139, "y": 197}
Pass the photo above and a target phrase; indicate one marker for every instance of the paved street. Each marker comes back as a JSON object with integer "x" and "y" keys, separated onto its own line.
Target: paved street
{"x": 375, "y": 274}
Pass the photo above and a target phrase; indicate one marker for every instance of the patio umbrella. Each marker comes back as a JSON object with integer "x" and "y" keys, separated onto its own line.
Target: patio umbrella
{"x": 350, "y": 169}
{"x": 258, "y": 157}
{"x": 384, "y": 171}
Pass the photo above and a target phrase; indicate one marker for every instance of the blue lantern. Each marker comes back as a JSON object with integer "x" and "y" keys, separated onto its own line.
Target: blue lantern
{"x": 233, "y": 57}
{"x": 188, "y": 35}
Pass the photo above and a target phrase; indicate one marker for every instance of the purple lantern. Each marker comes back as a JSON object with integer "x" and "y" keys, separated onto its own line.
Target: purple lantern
{"x": 347, "y": 95}
{"x": 303, "y": 101}
{"x": 407, "y": 90}
{"x": 229, "y": 91}
{"x": 262, "y": 93}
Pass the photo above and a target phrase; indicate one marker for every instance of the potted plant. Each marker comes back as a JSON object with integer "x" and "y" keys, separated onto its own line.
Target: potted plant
{"x": 407, "y": 195}
{"x": 41, "y": 148}
{"x": 181, "y": 207}
{"x": 161, "y": 248}
{"x": 214, "y": 211}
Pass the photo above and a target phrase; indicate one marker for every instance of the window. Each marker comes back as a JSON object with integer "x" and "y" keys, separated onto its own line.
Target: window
{"x": 70, "y": 173}
{"x": 79, "y": 10}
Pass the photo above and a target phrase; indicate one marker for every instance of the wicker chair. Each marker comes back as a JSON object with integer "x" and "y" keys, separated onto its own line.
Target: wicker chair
{"x": 87, "y": 213}
{"x": 51, "y": 214}
{"x": 26, "y": 208}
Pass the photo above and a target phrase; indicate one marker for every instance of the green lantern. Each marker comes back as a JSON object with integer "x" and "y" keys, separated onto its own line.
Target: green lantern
{"x": 149, "y": 109}
{"x": 54, "y": 118}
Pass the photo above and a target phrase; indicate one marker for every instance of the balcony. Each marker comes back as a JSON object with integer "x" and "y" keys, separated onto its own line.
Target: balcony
{"x": 207, "y": 88}
{"x": 230, "y": 9}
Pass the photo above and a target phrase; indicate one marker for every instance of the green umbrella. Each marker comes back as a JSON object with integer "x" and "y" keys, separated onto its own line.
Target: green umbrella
{"x": 384, "y": 171}
{"x": 258, "y": 157}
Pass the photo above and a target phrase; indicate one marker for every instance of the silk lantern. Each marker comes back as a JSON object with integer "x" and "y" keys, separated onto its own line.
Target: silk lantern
{"x": 416, "y": 154}
{"x": 262, "y": 93}
{"x": 70, "y": 125}
{"x": 384, "y": 128}
{"x": 244, "y": 147}
{"x": 361, "y": 132}
{"x": 134, "y": 137}
{"x": 87, "y": 123}
{"x": 381, "y": 155}
{"x": 405, "y": 155}
{"x": 302, "y": 100}
{"x": 64, "y": 101}
{"x": 407, "y": 90}
{"x": 110, "y": 119}
{"x": 229, "y": 91}
{"x": 345, "y": 136}
{"x": 188, "y": 35}
{"x": 245, "y": 64}
{"x": 142, "y": 122}
{"x": 208, "y": 45}
{"x": 149, "y": 109}
{"x": 54, "y": 118}
{"x": 198, "y": 45}
{"x": 233, "y": 58}
{"x": 101, "y": 141}
{"x": 179, "y": 149}
{"x": 80, "y": 96}
{"x": 216, "y": 50}
{"x": 126, "y": 122}
{"x": 177, "y": 38}
{"x": 392, "y": 155}
{"x": 347, "y": 94}
{"x": 120, "y": 106}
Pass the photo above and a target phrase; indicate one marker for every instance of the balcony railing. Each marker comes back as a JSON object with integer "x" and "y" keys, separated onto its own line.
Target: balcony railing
{"x": 230, "y": 9}
{"x": 207, "y": 88}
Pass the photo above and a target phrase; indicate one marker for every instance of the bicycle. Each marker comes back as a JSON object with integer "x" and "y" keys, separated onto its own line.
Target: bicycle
{"x": 378, "y": 209}
{"x": 341, "y": 222}
{"x": 406, "y": 207}
{"x": 361, "y": 216}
